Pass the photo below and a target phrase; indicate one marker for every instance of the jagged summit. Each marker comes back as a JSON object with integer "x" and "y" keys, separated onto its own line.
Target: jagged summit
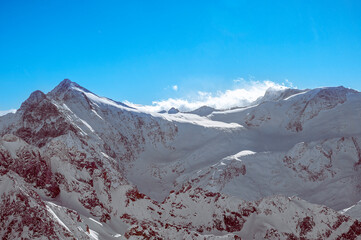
{"x": 69, "y": 90}
{"x": 34, "y": 99}
{"x": 66, "y": 82}
{"x": 65, "y": 86}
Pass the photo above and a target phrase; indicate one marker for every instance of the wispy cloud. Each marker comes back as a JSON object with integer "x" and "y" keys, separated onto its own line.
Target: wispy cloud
{"x": 244, "y": 93}
{"x": 2, "y": 113}
{"x": 238, "y": 80}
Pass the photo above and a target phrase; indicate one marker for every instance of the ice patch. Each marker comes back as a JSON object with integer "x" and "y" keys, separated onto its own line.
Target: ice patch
{"x": 67, "y": 108}
{"x": 244, "y": 153}
{"x": 288, "y": 98}
{"x": 96, "y": 221}
{"x": 87, "y": 125}
{"x": 57, "y": 218}
{"x": 343, "y": 211}
{"x": 97, "y": 114}
{"x": 105, "y": 155}
{"x": 93, "y": 234}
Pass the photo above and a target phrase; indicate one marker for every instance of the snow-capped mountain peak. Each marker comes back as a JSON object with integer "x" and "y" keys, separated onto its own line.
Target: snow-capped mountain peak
{"x": 67, "y": 85}
{"x": 94, "y": 168}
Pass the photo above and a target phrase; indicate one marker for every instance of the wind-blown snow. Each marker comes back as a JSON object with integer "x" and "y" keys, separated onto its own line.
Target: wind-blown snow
{"x": 237, "y": 97}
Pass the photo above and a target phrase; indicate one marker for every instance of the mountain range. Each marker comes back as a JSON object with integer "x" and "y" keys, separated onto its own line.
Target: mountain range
{"x": 75, "y": 165}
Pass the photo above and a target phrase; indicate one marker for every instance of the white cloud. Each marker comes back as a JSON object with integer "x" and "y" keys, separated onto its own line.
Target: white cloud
{"x": 175, "y": 88}
{"x": 237, "y": 97}
{"x": 238, "y": 80}
{"x": 2, "y": 113}
{"x": 290, "y": 84}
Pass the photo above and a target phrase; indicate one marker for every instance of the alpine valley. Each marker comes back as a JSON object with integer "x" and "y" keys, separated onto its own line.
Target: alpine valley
{"x": 74, "y": 165}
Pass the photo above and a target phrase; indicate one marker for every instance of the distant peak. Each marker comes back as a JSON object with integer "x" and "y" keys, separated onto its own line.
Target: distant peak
{"x": 203, "y": 111}
{"x": 173, "y": 111}
{"x": 276, "y": 94}
{"x": 338, "y": 89}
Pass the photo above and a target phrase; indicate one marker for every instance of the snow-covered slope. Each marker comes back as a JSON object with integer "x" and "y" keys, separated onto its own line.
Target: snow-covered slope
{"x": 312, "y": 114}
{"x": 203, "y": 111}
{"x": 94, "y": 168}
{"x": 322, "y": 172}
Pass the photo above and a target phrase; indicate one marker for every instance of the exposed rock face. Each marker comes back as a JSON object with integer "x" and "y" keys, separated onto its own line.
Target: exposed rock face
{"x": 27, "y": 162}
{"x": 25, "y": 215}
{"x": 74, "y": 165}
{"x": 173, "y": 111}
{"x": 41, "y": 120}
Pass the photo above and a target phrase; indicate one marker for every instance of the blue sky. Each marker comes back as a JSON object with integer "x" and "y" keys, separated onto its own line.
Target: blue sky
{"x": 139, "y": 50}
